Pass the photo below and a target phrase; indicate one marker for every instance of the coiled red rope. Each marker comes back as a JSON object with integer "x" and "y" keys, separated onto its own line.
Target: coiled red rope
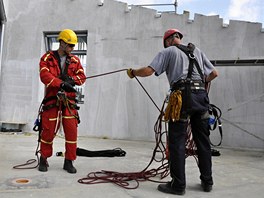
{"x": 130, "y": 180}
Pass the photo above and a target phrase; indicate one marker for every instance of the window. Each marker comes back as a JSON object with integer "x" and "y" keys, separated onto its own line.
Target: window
{"x": 80, "y": 50}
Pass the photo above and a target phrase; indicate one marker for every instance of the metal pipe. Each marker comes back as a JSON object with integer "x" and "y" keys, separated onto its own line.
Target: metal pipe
{"x": 175, "y": 4}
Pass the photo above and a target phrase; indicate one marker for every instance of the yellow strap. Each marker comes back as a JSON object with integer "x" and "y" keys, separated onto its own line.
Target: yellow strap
{"x": 68, "y": 117}
{"x": 43, "y": 141}
{"x": 50, "y": 82}
{"x": 173, "y": 109}
{"x": 70, "y": 142}
{"x": 53, "y": 119}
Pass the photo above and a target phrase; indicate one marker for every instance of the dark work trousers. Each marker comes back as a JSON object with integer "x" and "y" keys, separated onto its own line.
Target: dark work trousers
{"x": 177, "y": 136}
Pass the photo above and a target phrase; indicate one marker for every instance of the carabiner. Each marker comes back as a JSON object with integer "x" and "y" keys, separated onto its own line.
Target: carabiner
{"x": 191, "y": 56}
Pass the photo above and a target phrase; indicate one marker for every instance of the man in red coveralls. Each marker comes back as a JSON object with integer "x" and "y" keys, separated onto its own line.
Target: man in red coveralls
{"x": 60, "y": 71}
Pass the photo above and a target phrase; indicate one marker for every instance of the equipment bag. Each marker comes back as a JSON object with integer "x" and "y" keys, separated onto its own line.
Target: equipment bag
{"x": 117, "y": 152}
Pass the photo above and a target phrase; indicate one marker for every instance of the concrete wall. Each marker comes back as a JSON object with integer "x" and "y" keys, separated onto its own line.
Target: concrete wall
{"x": 239, "y": 94}
{"x": 115, "y": 106}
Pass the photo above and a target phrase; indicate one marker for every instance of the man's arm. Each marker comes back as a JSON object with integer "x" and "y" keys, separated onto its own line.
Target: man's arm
{"x": 141, "y": 72}
{"x": 211, "y": 76}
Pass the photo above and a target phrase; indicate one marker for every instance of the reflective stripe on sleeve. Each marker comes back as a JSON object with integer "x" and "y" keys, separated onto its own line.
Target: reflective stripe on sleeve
{"x": 50, "y": 82}
{"x": 43, "y": 68}
{"x": 81, "y": 82}
{"x": 46, "y": 57}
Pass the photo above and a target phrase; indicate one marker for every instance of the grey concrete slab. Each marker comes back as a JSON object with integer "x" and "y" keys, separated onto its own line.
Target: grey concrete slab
{"x": 237, "y": 173}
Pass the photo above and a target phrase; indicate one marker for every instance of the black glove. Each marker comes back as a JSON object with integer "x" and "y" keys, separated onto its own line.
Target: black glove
{"x": 67, "y": 87}
{"x": 68, "y": 79}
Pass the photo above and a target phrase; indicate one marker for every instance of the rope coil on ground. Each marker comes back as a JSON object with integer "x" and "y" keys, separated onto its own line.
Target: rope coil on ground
{"x": 125, "y": 180}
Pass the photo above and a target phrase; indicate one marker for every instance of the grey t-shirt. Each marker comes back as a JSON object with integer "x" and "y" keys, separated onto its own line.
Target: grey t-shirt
{"x": 176, "y": 63}
{"x": 62, "y": 63}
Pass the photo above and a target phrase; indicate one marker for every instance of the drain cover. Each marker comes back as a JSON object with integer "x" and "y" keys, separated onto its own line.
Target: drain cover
{"x": 21, "y": 181}
{"x": 35, "y": 182}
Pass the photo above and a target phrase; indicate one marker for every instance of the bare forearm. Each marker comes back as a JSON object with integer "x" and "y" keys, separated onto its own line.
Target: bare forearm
{"x": 211, "y": 76}
{"x": 143, "y": 71}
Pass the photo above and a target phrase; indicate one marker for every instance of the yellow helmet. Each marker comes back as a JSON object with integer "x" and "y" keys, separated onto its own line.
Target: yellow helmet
{"x": 68, "y": 36}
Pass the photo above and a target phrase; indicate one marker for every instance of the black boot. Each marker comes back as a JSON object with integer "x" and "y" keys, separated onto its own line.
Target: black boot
{"x": 43, "y": 164}
{"x": 167, "y": 188}
{"x": 206, "y": 187}
{"x": 68, "y": 166}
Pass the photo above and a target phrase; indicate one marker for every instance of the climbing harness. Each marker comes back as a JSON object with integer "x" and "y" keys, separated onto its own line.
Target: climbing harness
{"x": 188, "y": 84}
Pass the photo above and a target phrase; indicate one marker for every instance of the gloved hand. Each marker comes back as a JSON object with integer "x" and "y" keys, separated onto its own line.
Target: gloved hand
{"x": 130, "y": 73}
{"x": 67, "y": 87}
{"x": 68, "y": 79}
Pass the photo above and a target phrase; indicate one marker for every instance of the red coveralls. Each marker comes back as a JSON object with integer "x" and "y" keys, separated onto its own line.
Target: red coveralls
{"x": 57, "y": 108}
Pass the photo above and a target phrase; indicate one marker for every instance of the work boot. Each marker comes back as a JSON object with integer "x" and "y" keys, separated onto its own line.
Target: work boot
{"x": 206, "y": 187}
{"x": 68, "y": 166}
{"x": 43, "y": 164}
{"x": 167, "y": 188}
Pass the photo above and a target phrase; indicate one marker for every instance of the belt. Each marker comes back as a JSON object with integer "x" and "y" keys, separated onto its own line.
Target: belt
{"x": 194, "y": 85}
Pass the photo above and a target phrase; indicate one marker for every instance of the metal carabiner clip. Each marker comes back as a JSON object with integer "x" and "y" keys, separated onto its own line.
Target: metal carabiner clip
{"x": 191, "y": 56}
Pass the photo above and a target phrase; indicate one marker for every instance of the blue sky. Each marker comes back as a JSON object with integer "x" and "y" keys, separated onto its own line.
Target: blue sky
{"x": 243, "y": 10}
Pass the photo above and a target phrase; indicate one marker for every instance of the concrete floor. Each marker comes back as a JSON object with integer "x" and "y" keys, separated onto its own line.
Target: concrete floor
{"x": 237, "y": 173}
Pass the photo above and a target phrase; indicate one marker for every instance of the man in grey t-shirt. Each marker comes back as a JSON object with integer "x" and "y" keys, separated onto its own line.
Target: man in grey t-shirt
{"x": 175, "y": 61}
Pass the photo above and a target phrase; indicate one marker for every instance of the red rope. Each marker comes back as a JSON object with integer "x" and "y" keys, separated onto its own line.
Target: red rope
{"x": 103, "y": 74}
{"x": 130, "y": 180}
